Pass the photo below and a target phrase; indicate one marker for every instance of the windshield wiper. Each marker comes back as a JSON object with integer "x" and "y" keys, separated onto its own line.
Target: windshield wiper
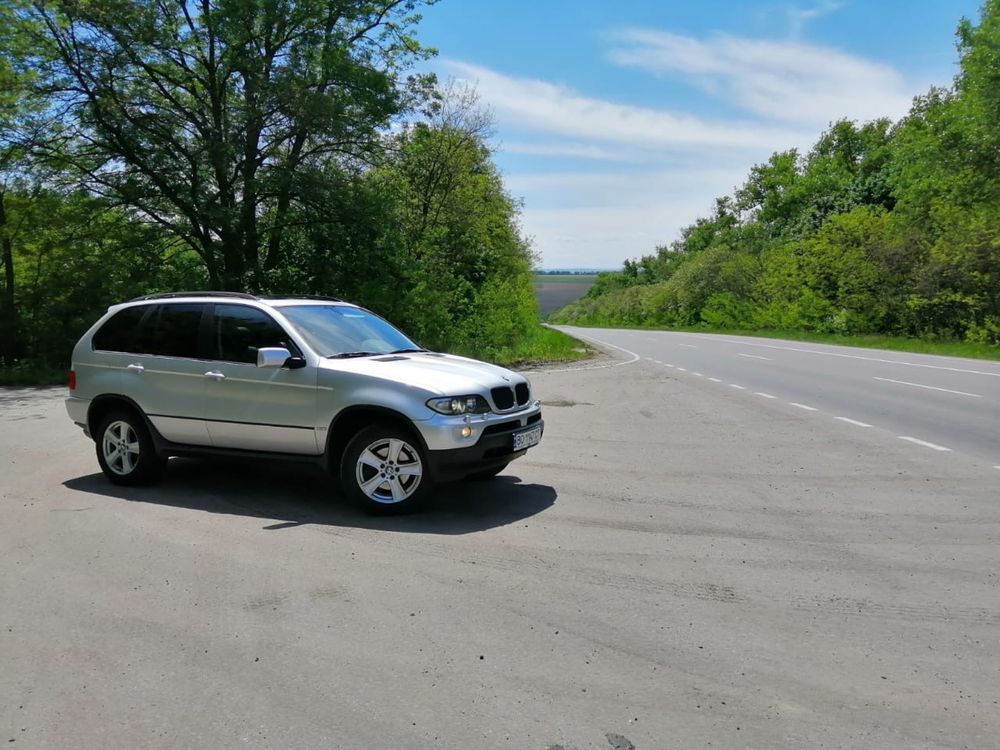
{"x": 351, "y": 355}
{"x": 406, "y": 351}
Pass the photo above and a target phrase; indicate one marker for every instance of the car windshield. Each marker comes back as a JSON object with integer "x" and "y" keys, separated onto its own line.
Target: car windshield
{"x": 342, "y": 331}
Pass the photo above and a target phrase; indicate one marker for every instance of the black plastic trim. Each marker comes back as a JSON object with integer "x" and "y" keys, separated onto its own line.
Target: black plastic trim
{"x": 234, "y": 421}
{"x": 490, "y": 451}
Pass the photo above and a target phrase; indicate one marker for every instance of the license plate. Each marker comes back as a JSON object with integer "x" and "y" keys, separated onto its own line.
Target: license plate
{"x": 527, "y": 438}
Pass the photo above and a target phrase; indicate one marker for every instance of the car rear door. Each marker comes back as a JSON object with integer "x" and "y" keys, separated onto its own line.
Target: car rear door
{"x": 251, "y": 408}
{"x": 165, "y": 371}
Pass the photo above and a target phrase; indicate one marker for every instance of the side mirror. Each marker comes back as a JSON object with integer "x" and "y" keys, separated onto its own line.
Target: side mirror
{"x": 272, "y": 356}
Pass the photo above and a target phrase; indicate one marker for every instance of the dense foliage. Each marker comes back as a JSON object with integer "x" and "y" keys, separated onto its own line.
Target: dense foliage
{"x": 278, "y": 146}
{"x": 880, "y": 228}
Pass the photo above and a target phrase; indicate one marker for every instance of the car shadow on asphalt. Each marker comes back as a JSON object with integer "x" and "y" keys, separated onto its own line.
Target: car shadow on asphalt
{"x": 300, "y": 494}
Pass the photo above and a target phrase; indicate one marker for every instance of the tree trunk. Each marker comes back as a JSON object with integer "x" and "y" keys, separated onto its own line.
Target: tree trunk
{"x": 233, "y": 268}
{"x": 10, "y": 334}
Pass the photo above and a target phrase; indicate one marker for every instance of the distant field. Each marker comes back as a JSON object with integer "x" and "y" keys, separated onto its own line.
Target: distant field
{"x": 555, "y": 291}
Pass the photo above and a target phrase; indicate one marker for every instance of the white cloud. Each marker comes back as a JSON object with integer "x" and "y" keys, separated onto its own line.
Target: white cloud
{"x": 799, "y": 18}
{"x": 551, "y": 108}
{"x": 614, "y": 179}
{"x": 786, "y": 81}
{"x": 598, "y": 220}
{"x": 576, "y": 150}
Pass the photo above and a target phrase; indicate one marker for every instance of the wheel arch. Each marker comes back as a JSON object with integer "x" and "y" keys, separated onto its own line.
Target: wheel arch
{"x": 351, "y": 420}
{"x": 102, "y": 405}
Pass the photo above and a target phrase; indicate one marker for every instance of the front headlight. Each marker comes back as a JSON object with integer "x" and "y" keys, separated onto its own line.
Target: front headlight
{"x": 452, "y": 405}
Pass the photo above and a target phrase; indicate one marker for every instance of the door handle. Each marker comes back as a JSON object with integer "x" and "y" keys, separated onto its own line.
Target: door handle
{"x": 215, "y": 375}
{"x": 135, "y": 367}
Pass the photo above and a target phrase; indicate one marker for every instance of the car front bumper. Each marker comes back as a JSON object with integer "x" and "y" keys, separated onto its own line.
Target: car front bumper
{"x": 491, "y": 444}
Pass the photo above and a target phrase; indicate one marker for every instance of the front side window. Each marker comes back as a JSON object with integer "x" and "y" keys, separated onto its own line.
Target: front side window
{"x": 342, "y": 331}
{"x": 239, "y": 331}
{"x": 172, "y": 331}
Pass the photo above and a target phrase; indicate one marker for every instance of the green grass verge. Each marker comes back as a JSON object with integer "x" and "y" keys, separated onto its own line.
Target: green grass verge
{"x": 33, "y": 375}
{"x": 541, "y": 346}
{"x": 891, "y": 343}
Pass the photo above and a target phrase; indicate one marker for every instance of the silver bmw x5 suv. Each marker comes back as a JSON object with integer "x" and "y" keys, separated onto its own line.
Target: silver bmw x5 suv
{"x": 202, "y": 373}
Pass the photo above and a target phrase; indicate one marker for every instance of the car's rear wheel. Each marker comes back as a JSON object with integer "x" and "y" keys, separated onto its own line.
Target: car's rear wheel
{"x": 480, "y": 476}
{"x": 125, "y": 450}
{"x": 384, "y": 470}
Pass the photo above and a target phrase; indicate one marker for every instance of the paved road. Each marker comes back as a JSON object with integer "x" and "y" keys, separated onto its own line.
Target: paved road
{"x": 937, "y": 403}
{"x": 678, "y": 565}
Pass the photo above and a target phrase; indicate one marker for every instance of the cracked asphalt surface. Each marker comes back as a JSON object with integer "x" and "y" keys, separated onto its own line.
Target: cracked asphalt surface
{"x": 676, "y": 565}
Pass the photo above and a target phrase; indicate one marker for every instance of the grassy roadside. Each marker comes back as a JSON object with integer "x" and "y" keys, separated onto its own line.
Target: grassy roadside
{"x": 891, "y": 343}
{"x": 543, "y": 345}
{"x": 32, "y": 375}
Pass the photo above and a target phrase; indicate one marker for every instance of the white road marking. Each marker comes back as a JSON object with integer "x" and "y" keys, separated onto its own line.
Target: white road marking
{"x": 802, "y": 406}
{"x": 715, "y": 380}
{"x": 754, "y": 356}
{"x": 635, "y": 357}
{"x": 854, "y": 422}
{"x": 689, "y": 346}
{"x": 737, "y": 387}
{"x": 682, "y": 369}
{"x": 696, "y": 373}
{"x": 667, "y": 365}
{"x": 765, "y": 395}
{"x": 996, "y": 467}
{"x": 924, "y": 443}
{"x": 845, "y": 356}
{"x": 929, "y": 387}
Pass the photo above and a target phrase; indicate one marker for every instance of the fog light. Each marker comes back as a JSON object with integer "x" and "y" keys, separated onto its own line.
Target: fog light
{"x": 466, "y": 431}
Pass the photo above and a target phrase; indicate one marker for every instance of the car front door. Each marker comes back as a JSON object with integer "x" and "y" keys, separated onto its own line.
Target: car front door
{"x": 251, "y": 408}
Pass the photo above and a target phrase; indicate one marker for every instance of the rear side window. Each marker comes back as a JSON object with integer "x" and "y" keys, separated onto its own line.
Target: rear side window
{"x": 119, "y": 333}
{"x": 239, "y": 331}
{"x": 172, "y": 331}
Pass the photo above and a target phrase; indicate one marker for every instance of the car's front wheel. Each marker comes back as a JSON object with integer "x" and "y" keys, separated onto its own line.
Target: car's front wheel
{"x": 384, "y": 470}
{"x": 125, "y": 450}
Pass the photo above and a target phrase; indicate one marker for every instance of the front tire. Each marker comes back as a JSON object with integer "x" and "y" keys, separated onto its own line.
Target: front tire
{"x": 125, "y": 450}
{"x": 385, "y": 470}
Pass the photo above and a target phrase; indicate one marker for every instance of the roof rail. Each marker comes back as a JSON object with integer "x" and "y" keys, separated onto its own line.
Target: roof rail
{"x": 301, "y": 296}
{"x": 172, "y": 295}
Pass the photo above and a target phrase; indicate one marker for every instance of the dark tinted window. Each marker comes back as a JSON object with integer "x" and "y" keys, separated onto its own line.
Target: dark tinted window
{"x": 119, "y": 332}
{"x": 239, "y": 331}
{"x": 172, "y": 331}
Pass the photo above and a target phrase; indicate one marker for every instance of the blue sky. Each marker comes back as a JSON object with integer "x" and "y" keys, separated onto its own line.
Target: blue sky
{"x": 618, "y": 123}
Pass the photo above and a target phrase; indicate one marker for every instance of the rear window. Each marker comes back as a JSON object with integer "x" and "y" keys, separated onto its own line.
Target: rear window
{"x": 172, "y": 331}
{"x": 118, "y": 334}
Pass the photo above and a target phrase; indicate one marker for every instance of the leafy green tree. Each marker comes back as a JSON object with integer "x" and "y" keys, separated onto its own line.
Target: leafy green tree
{"x": 215, "y": 118}
{"x": 468, "y": 267}
{"x": 75, "y": 254}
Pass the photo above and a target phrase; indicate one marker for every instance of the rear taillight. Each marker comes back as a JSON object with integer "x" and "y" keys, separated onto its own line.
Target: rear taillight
{"x": 72, "y": 380}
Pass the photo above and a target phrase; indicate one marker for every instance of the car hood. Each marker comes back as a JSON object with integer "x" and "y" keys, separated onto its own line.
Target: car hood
{"x": 441, "y": 374}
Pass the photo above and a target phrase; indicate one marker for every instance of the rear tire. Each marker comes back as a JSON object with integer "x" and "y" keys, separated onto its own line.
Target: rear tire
{"x": 482, "y": 476}
{"x": 125, "y": 450}
{"x": 384, "y": 470}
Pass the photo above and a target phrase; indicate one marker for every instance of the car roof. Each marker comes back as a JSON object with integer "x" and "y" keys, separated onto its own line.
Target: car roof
{"x": 271, "y": 300}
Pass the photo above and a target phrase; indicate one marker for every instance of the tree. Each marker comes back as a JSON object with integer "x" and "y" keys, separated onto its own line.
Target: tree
{"x": 17, "y": 133}
{"x": 468, "y": 267}
{"x": 215, "y": 118}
